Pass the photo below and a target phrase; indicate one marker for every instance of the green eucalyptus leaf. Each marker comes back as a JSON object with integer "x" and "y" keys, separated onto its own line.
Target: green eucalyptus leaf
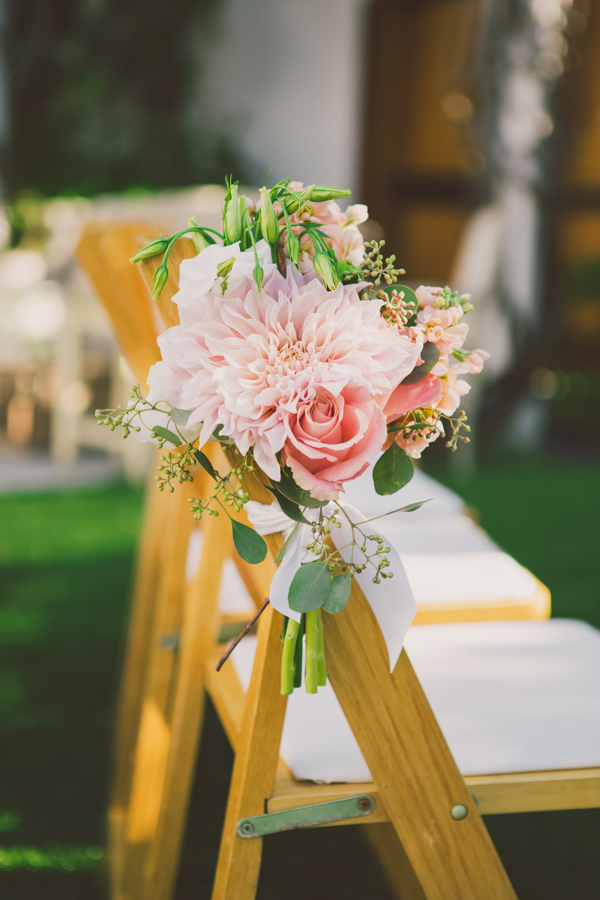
{"x": 291, "y": 509}
{"x": 430, "y": 355}
{"x": 206, "y": 464}
{"x": 248, "y": 543}
{"x": 339, "y": 593}
{"x": 288, "y": 487}
{"x": 309, "y": 587}
{"x": 284, "y": 549}
{"x": 411, "y": 507}
{"x": 180, "y": 416}
{"x": 392, "y": 470}
{"x": 167, "y": 435}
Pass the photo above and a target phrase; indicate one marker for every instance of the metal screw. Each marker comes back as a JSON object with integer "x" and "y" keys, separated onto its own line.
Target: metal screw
{"x": 247, "y": 827}
{"x": 170, "y": 642}
{"x": 459, "y": 812}
{"x": 365, "y": 803}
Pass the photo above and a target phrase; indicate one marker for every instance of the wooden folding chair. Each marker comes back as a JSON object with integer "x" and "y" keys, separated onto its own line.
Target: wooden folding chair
{"x": 426, "y": 851}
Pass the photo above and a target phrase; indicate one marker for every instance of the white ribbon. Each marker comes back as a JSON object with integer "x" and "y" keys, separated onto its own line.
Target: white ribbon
{"x": 392, "y": 600}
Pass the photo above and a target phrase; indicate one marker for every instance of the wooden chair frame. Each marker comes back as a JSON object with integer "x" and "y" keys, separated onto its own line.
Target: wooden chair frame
{"x": 425, "y": 851}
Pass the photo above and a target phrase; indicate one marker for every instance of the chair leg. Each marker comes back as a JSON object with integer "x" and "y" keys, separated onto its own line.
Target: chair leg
{"x": 139, "y": 639}
{"x": 200, "y": 624}
{"x": 255, "y": 766}
{"x": 390, "y": 854}
{"x": 153, "y": 735}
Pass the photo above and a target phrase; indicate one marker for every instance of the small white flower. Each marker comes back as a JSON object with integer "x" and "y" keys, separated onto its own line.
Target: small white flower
{"x": 199, "y": 275}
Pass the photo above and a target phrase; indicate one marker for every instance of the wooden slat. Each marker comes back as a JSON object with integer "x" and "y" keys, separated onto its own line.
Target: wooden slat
{"x": 104, "y": 252}
{"x": 536, "y": 791}
{"x": 536, "y": 606}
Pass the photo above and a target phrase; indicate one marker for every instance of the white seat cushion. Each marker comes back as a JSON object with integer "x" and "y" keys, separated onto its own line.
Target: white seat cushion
{"x": 509, "y": 697}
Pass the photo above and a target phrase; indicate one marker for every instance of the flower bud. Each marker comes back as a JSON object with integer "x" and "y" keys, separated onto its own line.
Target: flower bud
{"x": 246, "y": 223}
{"x": 293, "y": 245}
{"x": 160, "y": 279}
{"x": 197, "y": 238}
{"x": 152, "y": 249}
{"x": 321, "y": 194}
{"x": 268, "y": 218}
{"x": 232, "y": 219}
{"x": 244, "y": 213}
{"x": 292, "y": 204}
{"x": 325, "y": 270}
{"x": 258, "y": 273}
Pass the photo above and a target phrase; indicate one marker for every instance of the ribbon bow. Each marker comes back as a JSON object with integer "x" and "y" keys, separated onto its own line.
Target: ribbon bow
{"x": 391, "y": 600}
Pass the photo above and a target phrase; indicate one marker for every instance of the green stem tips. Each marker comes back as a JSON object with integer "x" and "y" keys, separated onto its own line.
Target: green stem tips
{"x": 315, "y": 674}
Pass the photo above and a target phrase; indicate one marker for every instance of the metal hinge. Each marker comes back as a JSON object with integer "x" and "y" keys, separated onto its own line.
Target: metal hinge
{"x": 305, "y": 816}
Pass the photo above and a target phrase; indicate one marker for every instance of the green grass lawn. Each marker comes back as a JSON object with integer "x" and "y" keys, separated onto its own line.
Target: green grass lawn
{"x": 66, "y": 562}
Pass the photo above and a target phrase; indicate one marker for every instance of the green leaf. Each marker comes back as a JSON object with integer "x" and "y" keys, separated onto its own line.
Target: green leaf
{"x": 180, "y": 416}
{"x": 248, "y": 543}
{"x": 288, "y": 487}
{"x": 392, "y": 471}
{"x": 339, "y": 593}
{"x": 206, "y": 464}
{"x": 309, "y": 587}
{"x": 291, "y": 509}
{"x": 411, "y": 507}
{"x": 281, "y": 553}
{"x": 430, "y": 355}
{"x": 167, "y": 435}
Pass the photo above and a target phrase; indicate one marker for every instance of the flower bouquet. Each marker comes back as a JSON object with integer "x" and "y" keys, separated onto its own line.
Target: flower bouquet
{"x": 301, "y": 353}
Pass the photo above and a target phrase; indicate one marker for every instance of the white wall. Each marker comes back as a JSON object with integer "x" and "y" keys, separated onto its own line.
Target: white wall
{"x": 285, "y": 80}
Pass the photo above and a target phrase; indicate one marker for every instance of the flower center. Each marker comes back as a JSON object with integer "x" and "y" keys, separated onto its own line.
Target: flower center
{"x": 288, "y": 358}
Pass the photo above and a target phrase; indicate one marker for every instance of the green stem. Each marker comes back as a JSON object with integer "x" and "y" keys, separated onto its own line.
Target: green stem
{"x": 311, "y": 679}
{"x": 321, "y": 667}
{"x": 288, "y": 658}
{"x": 298, "y": 657}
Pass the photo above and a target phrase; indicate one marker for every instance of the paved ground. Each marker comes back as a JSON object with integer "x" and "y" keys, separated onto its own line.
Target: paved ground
{"x": 35, "y": 471}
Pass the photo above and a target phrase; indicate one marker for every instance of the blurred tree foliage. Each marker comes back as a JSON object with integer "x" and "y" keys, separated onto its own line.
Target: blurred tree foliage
{"x": 99, "y": 96}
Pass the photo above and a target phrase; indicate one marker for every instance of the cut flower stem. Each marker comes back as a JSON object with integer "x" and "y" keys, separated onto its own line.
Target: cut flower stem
{"x": 288, "y": 662}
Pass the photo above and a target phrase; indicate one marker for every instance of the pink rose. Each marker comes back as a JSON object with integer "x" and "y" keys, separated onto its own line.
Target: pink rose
{"x": 331, "y": 439}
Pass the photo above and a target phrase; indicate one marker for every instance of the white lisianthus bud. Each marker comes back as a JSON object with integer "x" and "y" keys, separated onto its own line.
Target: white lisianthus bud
{"x": 152, "y": 249}
{"x": 292, "y": 204}
{"x": 197, "y": 238}
{"x": 160, "y": 279}
{"x": 268, "y": 218}
{"x": 293, "y": 245}
{"x": 325, "y": 270}
{"x": 232, "y": 219}
{"x": 321, "y": 194}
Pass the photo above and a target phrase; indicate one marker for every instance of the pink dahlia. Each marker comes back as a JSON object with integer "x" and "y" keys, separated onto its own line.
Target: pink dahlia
{"x": 296, "y": 371}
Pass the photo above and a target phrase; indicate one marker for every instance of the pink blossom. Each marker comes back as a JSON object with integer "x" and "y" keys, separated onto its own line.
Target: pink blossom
{"x": 407, "y": 397}
{"x": 414, "y": 442}
{"x": 267, "y": 367}
{"x": 442, "y": 327}
{"x": 473, "y": 363}
{"x": 453, "y": 388}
